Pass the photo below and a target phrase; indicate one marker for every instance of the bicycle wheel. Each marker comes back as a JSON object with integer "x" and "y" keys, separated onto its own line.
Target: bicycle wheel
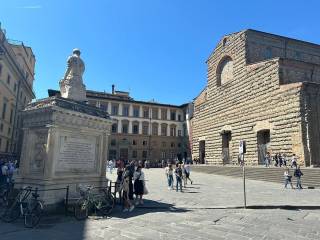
{"x": 81, "y": 210}
{"x": 11, "y": 213}
{"x": 104, "y": 204}
{"x": 33, "y": 215}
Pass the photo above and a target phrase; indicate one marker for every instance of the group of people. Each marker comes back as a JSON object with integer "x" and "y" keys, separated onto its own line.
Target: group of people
{"x": 7, "y": 169}
{"x": 280, "y": 160}
{"x": 288, "y": 177}
{"x": 181, "y": 173}
{"x": 130, "y": 182}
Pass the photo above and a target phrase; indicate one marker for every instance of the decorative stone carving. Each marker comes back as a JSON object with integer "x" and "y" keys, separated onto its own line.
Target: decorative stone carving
{"x": 71, "y": 86}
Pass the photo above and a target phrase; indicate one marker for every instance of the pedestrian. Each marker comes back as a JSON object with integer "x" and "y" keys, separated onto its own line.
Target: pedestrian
{"x": 178, "y": 173}
{"x": 187, "y": 170}
{"x": 169, "y": 174}
{"x": 110, "y": 165}
{"x": 284, "y": 159}
{"x": 287, "y": 178}
{"x": 276, "y": 159}
{"x": 298, "y": 174}
{"x": 267, "y": 159}
{"x": 280, "y": 159}
{"x": 4, "y": 172}
{"x": 184, "y": 177}
{"x": 293, "y": 161}
{"x": 138, "y": 178}
{"x": 10, "y": 171}
{"x": 127, "y": 205}
{"x": 119, "y": 179}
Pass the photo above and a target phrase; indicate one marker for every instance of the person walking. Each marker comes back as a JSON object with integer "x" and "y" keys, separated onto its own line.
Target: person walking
{"x": 169, "y": 174}
{"x": 127, "y": 205}
{"x": 187, "y": 172}
{"x": 298, "y": 174}
{"x": 293, "y": 161}
{"x": 287, "y": 178}
{"x": 178, "y": 173}
{"x": 138, "y": 185}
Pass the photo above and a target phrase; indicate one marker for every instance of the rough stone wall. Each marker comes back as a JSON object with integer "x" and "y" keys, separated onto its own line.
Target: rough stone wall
{"x": 310, "y": 111}
{"x": 261, "y": 96}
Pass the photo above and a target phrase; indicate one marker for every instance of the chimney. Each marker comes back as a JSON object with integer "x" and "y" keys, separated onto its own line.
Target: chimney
{"x": 113, "y": 89}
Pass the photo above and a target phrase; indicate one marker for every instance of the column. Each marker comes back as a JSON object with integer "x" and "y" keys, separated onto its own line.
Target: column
{"x": 140, "y": 127}
{"x": 119, "y": 126}
{"x": 109, "y": 107}
{"x": 130, "y": 110}
{"x": 168, "y": 130}
{"x": 130, "y": 127}
{"x": 120, "y": 109}
{"x": 168, "y": 114}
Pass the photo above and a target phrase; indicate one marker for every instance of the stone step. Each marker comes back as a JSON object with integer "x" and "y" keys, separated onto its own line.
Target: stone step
{"x": 310, "y": 178}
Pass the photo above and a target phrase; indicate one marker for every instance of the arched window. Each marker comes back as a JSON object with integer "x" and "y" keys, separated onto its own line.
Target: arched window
{"x": 225, "y": 71}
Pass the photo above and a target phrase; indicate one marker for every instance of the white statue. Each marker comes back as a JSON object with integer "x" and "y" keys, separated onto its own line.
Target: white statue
{"x": 71, "y": 86}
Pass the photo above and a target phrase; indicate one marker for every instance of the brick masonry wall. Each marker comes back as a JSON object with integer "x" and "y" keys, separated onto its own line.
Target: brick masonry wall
{"x": 262, "y": 95}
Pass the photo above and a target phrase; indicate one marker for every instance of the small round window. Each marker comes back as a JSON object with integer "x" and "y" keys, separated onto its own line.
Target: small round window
{"x": 225, "y": 71}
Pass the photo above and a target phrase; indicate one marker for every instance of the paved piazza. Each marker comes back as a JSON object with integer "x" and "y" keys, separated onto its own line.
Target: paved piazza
{"x": 208, "y": 209}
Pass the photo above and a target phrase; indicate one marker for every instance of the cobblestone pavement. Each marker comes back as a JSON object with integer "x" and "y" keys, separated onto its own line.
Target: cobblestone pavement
{"x": 208, "y": 209}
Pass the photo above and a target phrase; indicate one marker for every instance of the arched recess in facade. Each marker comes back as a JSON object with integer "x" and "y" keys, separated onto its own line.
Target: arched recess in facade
{"x": 263, "y": 130}
{"x": 226, "y": 137}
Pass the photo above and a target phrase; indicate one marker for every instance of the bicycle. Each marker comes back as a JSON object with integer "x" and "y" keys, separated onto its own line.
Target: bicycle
{"x": 102, "y": 203}
{"x": 30, "y": 210}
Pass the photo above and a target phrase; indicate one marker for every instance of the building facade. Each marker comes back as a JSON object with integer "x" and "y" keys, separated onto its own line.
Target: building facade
{"x": 143, "y": 130}
{"x": 17, "y": 63}
{"x": 264, "y": 89}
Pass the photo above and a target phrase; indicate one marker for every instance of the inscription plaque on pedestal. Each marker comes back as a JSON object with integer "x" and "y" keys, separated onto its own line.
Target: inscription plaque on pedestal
{"x": 77, "y": 153}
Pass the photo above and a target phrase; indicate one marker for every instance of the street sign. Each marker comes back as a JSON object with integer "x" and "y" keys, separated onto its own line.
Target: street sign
{"x": 242, "y": 147}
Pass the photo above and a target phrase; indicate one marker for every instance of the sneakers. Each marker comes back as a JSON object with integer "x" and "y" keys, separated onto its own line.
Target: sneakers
{"x": 169, "y": 188}
{"x": 131, "y": 208}
{"x": 125, "y": 210}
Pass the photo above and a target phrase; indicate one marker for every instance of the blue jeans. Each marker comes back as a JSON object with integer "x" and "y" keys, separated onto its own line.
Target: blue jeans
{"x": 170, "y": 181}
{"x": 179, "y": 181}
{"x": 299, "y": 183}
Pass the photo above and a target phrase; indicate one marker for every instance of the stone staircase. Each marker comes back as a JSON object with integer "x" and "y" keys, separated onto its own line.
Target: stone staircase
{"x": 310, "y": 178}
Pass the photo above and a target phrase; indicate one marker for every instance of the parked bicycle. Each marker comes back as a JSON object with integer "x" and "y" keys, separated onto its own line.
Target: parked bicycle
{"x": 30, "y": 209}
{"x": 102, "y": 203}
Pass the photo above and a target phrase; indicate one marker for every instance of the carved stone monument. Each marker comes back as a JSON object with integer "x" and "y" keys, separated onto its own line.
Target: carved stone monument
{"x": 65, "y": 140}
{"x": 71, "y": 86}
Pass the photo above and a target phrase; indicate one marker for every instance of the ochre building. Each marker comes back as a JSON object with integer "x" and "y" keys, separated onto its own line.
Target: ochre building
{"x": 17, "y": 63}
{"x": 264, "y": 89}
{"x": 143, "y": 130}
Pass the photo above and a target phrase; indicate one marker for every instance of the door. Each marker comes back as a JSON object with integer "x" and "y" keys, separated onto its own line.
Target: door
{"x": 202, "y": 151}
{"x": 226, "y": 138}
{"x": 263, "y": 140}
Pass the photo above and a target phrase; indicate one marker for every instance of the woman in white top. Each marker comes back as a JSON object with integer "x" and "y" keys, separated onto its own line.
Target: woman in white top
{"x": 138, "y": 185}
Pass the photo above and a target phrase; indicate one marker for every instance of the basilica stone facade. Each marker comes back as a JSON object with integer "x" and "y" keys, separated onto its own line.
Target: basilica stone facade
{"x": 264, "y": 89}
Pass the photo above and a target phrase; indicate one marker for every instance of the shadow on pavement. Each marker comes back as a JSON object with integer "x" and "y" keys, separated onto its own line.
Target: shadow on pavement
{"x": 149, "y": 206}
{"x": 284, "y": 207}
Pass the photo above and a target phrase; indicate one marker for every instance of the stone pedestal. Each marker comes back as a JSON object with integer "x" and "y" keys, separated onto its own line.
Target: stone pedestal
{"x": 65, "y": 144}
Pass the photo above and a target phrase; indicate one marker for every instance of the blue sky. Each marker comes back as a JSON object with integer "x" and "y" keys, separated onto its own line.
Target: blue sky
{"x": 156, "y": 49}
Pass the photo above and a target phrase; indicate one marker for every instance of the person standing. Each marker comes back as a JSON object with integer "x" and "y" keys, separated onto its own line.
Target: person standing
{"x": 110, "y": 166}
{"x": 298, "y": 174}
{"x": 169, "y": 174}
{"x": 267, "y": 159}
{"x": 178, "y": 173}
{"x": 293, "y": 161}
{"x": 287, "y": 178}
{"x": 138, "y": 185}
